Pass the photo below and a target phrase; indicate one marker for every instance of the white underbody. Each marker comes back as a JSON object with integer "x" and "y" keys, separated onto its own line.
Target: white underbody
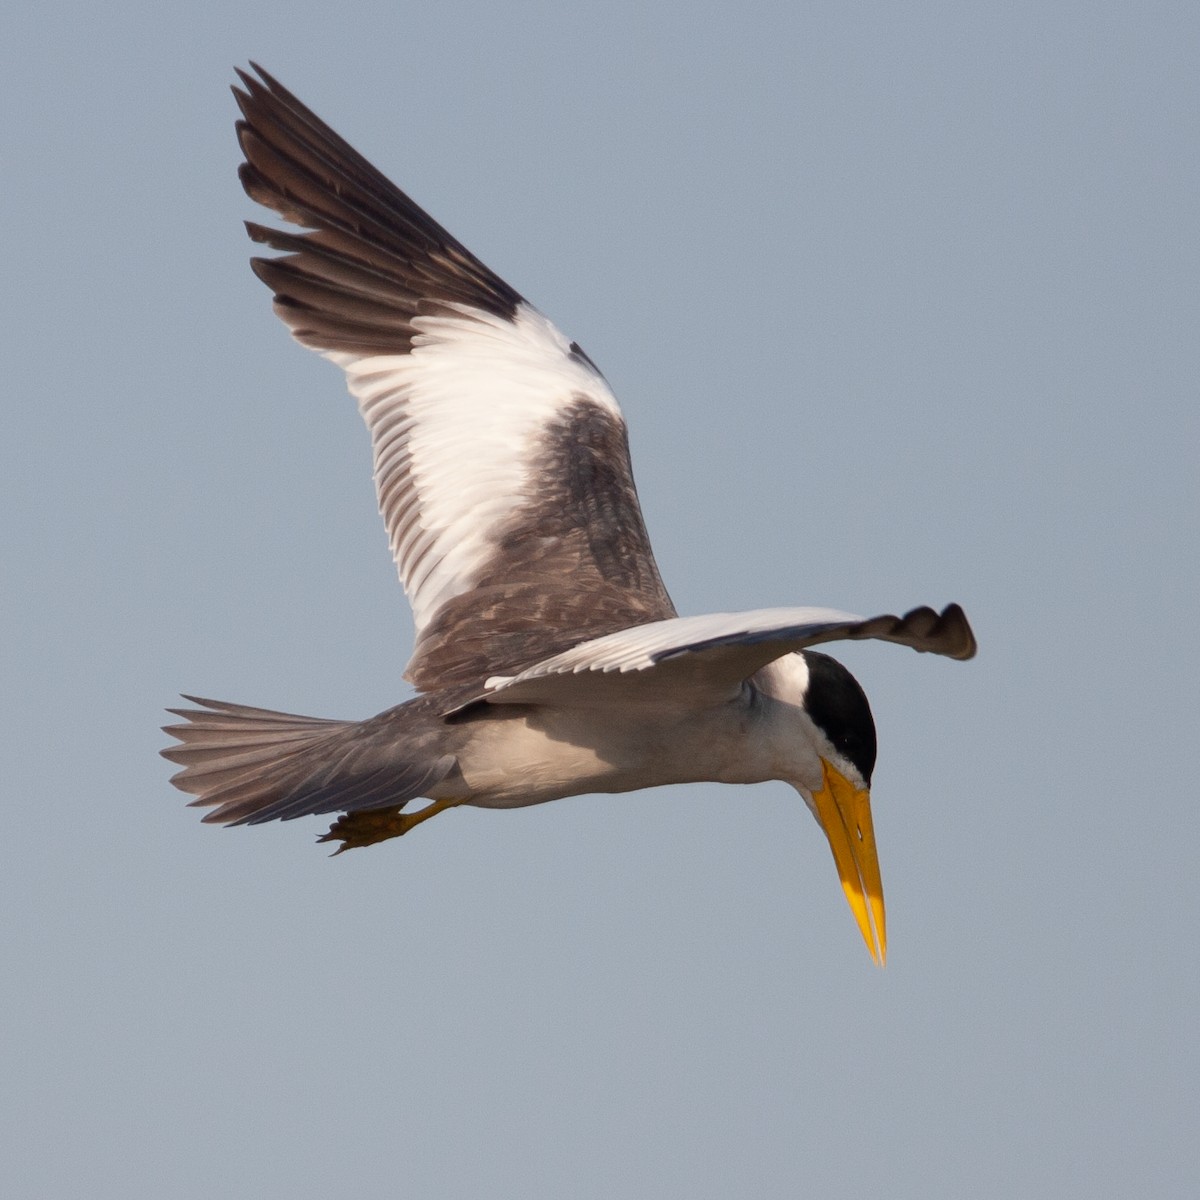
{"x": 530, "y": 755}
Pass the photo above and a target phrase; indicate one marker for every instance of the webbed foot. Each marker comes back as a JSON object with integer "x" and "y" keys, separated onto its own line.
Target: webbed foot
{"x": 366, "y": 827}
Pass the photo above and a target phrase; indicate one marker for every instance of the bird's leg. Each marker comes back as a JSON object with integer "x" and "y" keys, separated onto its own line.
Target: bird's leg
{"x": 356, "y": 829}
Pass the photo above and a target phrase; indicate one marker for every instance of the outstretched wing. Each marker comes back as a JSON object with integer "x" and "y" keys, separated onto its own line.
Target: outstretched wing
{"x": 707, "y": 658}
{"x": 501, "y": 457}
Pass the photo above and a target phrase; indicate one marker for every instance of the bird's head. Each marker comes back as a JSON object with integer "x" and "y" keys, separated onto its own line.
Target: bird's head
{"x": 844, "y": 733}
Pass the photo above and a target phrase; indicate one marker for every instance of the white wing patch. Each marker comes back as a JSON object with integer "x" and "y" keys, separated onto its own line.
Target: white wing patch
{"x": 644, "y": 646}
{"x": 455, "y": 427}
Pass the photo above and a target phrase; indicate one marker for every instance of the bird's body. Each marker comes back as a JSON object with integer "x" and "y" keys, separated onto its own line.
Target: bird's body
{"x": 549, "y": 659}
{"x": 537, "y": 753}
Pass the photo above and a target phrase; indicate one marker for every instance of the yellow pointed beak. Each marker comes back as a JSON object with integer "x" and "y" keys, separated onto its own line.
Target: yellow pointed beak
{"x": 845, "y": 814}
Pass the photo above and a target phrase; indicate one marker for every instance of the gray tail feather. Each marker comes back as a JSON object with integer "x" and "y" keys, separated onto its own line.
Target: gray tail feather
{"x": 252, "y": 765}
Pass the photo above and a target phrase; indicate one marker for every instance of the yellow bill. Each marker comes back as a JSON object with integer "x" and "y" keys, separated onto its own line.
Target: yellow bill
{"x": 845, "y": 814}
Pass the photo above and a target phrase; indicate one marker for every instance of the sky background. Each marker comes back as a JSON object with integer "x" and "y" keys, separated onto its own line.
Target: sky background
{"x": 901, "y": 304}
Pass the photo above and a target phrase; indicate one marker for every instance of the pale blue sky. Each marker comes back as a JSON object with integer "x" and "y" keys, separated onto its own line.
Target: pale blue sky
{"x": 901, "y": 303}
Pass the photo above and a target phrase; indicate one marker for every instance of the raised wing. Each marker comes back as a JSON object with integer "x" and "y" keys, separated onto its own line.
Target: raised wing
{"x": 501, "y": 457}
{"x": 709, "y": 657}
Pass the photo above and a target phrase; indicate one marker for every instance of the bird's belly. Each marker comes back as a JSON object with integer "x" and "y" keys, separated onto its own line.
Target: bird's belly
{"x": 532, "y": 757}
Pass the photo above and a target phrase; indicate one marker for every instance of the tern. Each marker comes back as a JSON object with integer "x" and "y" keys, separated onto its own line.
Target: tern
{"x": 548, "y": 658}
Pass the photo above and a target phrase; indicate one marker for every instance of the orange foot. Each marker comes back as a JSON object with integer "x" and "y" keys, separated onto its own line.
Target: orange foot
{"x": 378, "y": 824}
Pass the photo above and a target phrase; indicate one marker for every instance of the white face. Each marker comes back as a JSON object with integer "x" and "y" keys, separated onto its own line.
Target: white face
{"x": 796, "y": 742}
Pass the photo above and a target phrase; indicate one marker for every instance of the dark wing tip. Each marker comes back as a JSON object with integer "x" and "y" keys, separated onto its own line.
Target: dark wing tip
{"x": 957, "y": 629}
{"x": 371, "y": 256}
{"x": 947, "y": 633}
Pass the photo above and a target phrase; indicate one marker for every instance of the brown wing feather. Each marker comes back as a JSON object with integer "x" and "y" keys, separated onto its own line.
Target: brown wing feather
{"x": 575, "y": 561}
{"x": 374, "y": 258}
{"x": 583, "y": 527}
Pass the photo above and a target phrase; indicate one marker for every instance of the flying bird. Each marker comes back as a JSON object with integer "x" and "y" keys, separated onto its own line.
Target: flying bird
{"x": 548, "y": 659}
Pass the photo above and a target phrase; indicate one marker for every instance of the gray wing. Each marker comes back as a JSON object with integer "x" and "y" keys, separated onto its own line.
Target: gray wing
{"x": 707, "y": 658}
{"x": 501, "y": 458}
